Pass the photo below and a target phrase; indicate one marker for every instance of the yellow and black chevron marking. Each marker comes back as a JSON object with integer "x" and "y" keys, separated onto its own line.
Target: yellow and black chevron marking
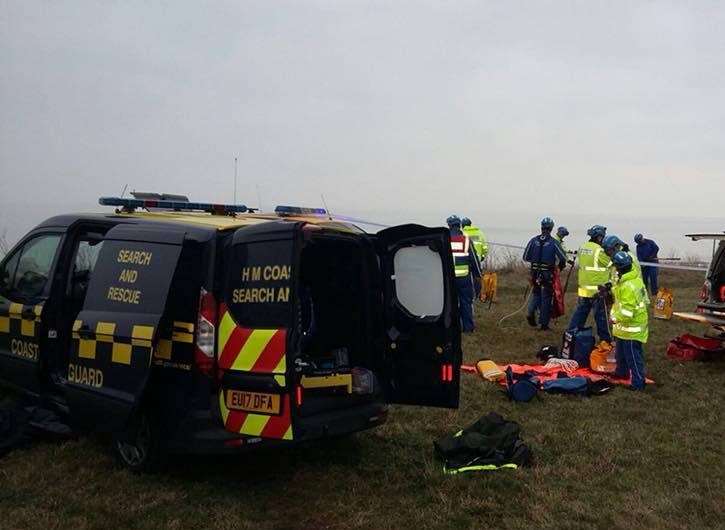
{"x": 106, "y": 337}
{"x": 183, "y": 333}
{"x": 12, "y": 320}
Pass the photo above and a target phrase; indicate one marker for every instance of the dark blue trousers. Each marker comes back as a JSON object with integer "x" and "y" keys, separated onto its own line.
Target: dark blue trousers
{"x": 630, "y": 362}
{"x": 541, "y": 298}
{"x": 464, "y": 286}
{"x": 649, "y": 277}
{"x": 581, "y": 314}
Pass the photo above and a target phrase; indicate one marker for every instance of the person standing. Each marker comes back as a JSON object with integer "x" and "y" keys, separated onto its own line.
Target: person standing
{"x": 630, "y": 321}
{"x": 544, "y": 254}
{"x": 478, "y": 238}
{"x": 467, "y": 270}
{"x": 647, "y": 251}
{"x": 480, "y": 247}
{"x": 593, "y": 273}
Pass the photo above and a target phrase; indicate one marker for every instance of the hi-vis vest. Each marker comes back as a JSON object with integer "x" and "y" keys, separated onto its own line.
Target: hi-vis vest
{"x": 593, "y": 269}
{"x": 460, "y": 247}
{"x": 629, "y": 311}
{"x": 480, "y": 246}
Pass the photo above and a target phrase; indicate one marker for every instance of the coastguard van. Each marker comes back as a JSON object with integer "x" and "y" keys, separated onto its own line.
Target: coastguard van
{"x": 194, "y": 327}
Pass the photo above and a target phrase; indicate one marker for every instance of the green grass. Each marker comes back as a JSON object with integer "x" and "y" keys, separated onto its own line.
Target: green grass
{"x": 623, "y": 460}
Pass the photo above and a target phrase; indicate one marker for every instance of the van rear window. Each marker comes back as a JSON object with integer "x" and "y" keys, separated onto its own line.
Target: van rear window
{"x": 259, "y": 283}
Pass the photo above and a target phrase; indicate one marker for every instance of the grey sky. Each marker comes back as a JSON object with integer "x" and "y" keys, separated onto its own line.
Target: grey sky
{"x": 395, "y": 110}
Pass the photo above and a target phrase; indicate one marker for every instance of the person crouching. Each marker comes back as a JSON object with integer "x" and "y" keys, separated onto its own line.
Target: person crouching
{"x": 630, "y": 321}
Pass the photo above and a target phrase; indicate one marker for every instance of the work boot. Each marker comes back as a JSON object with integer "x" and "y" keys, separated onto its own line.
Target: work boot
{"x": 531, "y": 319}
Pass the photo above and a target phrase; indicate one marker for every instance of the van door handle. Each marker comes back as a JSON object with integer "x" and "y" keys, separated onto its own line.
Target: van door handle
{"x": 84, "y": 332}
{"x": 28, "y": 314}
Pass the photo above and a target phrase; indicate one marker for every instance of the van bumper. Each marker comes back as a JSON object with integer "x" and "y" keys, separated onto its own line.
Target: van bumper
{"x": 202, "y": 432}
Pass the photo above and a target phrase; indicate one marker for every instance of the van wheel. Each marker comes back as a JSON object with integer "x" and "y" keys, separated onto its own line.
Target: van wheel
{"x": 139, "y": 449}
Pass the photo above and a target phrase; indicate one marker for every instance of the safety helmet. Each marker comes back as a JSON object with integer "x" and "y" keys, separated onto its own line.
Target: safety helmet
{"x": 453, "y": 220}
{"x": 562, "y": 231}
{"x": 465, "y": 221}
{"x": 622, "y": 261}
{"x": 547, "y": 222}
{"x": 638, "y": 238}
{"x": 597, "y": 231}
{"x": 611, "y": 242}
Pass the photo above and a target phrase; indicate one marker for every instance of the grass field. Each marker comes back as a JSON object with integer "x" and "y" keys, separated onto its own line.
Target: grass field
{"x": 623, "y": 460}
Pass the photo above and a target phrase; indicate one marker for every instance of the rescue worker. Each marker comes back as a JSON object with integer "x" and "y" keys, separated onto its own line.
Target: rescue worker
{"x": 543, "y": 253}
{"x": 478, "y": 238}
{"x": 480, "y": 247}
{"x": 630, "y": 321}
{"x": 593, "y": 274}
{"x": 467, "y": 269}
{"x": 647, "y": 253}
{"x": 611, "y": 245}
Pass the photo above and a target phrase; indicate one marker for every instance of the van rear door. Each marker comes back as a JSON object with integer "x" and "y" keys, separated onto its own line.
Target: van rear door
{"x": 116, "y": 331}
{"x": 422, "y": 338}
{"x": 256, "y": 317}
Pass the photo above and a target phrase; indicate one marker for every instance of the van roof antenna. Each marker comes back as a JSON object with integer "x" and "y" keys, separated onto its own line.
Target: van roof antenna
{"x": 324, "y": 203}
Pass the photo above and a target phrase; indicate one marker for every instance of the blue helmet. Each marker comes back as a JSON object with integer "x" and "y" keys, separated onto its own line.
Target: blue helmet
{"x": 611, "y": 242}
{"x": 547, "y": 222}
{"x": 465, "y": 221}
{"x": 622, "y": 261}
{"x": 597, "y": 231}
{"x": 453, "y": 220}
{"x": 638, "y": 238}
{"x": 562, "y": 231}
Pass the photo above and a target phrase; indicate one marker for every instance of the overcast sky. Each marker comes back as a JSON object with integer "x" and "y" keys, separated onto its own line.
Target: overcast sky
{"x": 394, "y": 110}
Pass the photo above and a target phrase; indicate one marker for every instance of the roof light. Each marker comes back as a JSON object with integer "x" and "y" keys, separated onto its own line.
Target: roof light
{"x": 131, "y": 204}
{"x": 299, "y": 210}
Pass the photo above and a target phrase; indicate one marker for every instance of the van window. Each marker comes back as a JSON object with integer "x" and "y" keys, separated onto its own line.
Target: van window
{"x": 419, "y": 281}
{"x": 31, "y": 264}
{"x": 259, "y": 284}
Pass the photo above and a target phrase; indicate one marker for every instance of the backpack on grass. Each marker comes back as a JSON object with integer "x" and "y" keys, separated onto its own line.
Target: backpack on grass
{"x": 521, "y": 387}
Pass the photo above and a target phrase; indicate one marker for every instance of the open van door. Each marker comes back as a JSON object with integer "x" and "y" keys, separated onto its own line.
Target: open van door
{"x": 116, "y": 331}
{"x": 422, "y": 336}
{"x": 256, "y": 316}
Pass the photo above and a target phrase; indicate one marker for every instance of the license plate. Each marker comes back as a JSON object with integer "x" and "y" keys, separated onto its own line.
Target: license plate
{"x": 253, "y": 401}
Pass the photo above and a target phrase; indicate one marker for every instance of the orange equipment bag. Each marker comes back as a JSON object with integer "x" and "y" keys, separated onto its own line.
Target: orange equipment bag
{"x": 664, "y": 303}
{"x": 602, "y": 358}
{"x": 489, "y": 287}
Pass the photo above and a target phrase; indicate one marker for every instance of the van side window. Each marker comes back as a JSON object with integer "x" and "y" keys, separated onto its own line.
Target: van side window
{"x": 419, "y": 281}
{"x": 32, "y": 271}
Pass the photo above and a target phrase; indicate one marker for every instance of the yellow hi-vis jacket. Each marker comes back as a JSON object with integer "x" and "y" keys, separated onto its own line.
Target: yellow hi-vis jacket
{"x": 629, "y": 312}
{"x": 593, "y": 269}
{"x": 480, "y": 245}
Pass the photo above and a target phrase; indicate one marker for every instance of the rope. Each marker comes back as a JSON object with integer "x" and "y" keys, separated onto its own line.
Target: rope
{"x": 527, "y": 294}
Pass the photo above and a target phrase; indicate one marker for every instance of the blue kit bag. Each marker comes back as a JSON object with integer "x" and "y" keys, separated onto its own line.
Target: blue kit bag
{"x": 521, "y": 388}
{"x": 578, "y": 346}
{"x": 578, "y": 386}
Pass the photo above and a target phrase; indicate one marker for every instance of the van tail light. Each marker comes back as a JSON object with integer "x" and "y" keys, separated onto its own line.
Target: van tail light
{"x": 205, "y": 332}
{"x": 722, "y": 293}
{"x": 705, "y": 292}
{"x": 447, "y": 373}
{"x": 298, "y": 395}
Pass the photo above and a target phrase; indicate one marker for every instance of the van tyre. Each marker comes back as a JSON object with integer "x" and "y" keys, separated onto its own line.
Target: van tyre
{"x": 140, "y": 448}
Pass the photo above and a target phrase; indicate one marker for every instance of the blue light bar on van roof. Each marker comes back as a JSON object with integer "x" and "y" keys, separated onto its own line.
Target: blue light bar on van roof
{"x": 299, "y": 210}
{"x": 131, "y": 204}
